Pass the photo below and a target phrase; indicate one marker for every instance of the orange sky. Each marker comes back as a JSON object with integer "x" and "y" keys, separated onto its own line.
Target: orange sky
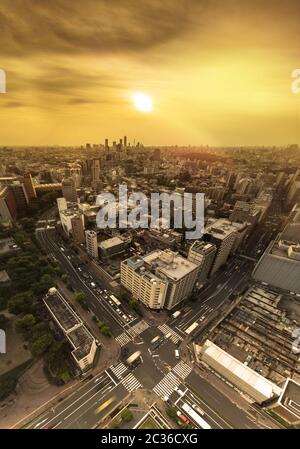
{"x": 218, "y": 72}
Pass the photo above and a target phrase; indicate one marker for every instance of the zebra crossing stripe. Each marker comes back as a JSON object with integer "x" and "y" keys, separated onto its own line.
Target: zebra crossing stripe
{"x": 165, "y": 329}
{"x": 119, "y": 369}
{"x": 131, "y": 383}
{"x": 182, "y": 369}
{"x": 167, "y": 385}
{"x": 123, "y": 339}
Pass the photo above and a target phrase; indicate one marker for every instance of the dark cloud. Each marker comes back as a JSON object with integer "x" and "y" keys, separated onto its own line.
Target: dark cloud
{"x": 74, "y": 26}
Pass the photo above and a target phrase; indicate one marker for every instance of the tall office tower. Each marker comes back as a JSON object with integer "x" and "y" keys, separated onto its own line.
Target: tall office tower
{"x": 95, "y": 170}
{"x": 69, "y": 190}
{"x": 78, "y": 229}
{"x": 125, "y": 141}
{"x": 106, "y": 147}
{"x": 88, "y": 146}
{"x": 91, "y": 243}
{"x": 120, "y": 143}
{"x": 61, "y": 204}
{"x": 29, "y": 186}
{"x": 20, "y": 196}
{"x": 202, "y": 254}
{"x": 114, "y": 145}
{"x": 8, "y": 206}
{"x": 223, "y": 234}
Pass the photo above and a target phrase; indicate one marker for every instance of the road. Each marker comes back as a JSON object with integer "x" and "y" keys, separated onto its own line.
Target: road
{"x": 169, "y": 378}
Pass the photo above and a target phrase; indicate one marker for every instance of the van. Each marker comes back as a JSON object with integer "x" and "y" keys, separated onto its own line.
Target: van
{"x": 176, "y": 352}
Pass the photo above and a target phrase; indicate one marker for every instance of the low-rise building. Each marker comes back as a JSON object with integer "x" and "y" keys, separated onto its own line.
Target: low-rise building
{"x": 82, "y": 342}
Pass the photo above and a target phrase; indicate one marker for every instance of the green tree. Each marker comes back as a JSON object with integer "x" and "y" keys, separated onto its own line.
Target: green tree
{"x": 127, "y": 415}
{"x": 24, "y": 325}
{"x": 21, "y": 303}
{"x": 39, "y": 346}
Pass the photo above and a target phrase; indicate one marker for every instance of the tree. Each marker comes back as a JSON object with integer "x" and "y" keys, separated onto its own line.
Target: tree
{"x": 3, "y": 322}
{"x": 172, "y": 412}
{"x": 126, "y": 415}
{"x": 41, "y": 344}
{"x": 7, "y": 386}
{"x": 80, "y": 296}
{"x": 104, "y": 328}
{"x": 24, "y": 325}
{"x": 21, "y": 303}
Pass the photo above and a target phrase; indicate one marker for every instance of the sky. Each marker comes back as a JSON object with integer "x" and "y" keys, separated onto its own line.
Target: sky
{"x": 218, "y": 72}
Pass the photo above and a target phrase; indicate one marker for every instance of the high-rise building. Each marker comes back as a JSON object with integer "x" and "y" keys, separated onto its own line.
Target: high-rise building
{"x": 222, "y": 234}
{"x": 91, "y": 243}
{"x": 95, "y": 170}
{"x": 66, "y": 217}
{"x": 159, "y": 279}
{"x": 69, "y": 190}
{"x": 20, "y": 196}
{"x": 8, "y": 206}
{"x": 61, "y": 204}
{"x": 29, "y": 186}
{"x": 125, "y": 141}
{"x": 77, "y": 224}
{"x": 202, "y": 254}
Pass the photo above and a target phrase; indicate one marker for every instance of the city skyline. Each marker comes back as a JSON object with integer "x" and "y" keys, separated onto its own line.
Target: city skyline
{"x": 216, "y": 74}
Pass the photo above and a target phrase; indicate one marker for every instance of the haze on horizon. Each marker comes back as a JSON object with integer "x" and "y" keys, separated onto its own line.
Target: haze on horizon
{"x": 218, "y": 73}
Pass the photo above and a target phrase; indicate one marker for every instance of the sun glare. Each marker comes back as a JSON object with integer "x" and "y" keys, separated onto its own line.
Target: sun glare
{"x": 142, "y": 102}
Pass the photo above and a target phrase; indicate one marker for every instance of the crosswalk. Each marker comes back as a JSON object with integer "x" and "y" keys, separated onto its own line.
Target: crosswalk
{"x": 131, "y": 383}
{"x": 118, "y": 369}
{"x": 138, "y": 328}
{"x": 123, "y": 339}
{"x": 167, "y": 385}
{"x": 182, "y": 369}
{"x": 131, "y": 332}
{"x": 165, "y": 329}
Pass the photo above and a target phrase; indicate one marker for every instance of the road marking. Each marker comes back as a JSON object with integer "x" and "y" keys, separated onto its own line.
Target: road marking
{"x": 167, "y": 385}
{"x": 131, "y": 383}
{"x": 182, "y": 369}
{"x": 165, "y": 329}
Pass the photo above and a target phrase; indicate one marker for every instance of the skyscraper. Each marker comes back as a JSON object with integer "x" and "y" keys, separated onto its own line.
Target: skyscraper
{"x": 29, "y": 186}
{"x": 69, "y": 190}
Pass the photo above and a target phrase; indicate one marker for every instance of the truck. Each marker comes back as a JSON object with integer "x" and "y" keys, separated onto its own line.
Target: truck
{"x": 176, "y": 314}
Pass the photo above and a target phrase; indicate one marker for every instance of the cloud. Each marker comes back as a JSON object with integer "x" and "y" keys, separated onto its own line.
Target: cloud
{"x": 65, "y": 26}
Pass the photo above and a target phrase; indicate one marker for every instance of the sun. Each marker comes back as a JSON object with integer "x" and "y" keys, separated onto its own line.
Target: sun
{"x": 142, "y": 102}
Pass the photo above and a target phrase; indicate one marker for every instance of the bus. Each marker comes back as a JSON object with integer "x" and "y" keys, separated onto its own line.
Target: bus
{"x": 134, "y": 359}
{"x": 176, "y": 314}
{"x": 191, "y": 328}
{"x": 195, "y": 417}
{"x": 155, "y": 339}
{"x": 115, "y": 300}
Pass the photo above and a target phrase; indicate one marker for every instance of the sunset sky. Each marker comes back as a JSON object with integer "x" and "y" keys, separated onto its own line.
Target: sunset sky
{"x": 218, "y": 72}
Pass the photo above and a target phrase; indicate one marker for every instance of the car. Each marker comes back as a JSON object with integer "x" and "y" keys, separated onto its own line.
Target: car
{"x": 176, "y": 353}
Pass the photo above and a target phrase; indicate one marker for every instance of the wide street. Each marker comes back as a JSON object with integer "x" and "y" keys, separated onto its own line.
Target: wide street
{"x": 171, "y": 379}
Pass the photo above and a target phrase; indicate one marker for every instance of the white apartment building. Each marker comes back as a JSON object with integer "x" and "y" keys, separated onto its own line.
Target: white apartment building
{"x": 159, "y": 279}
